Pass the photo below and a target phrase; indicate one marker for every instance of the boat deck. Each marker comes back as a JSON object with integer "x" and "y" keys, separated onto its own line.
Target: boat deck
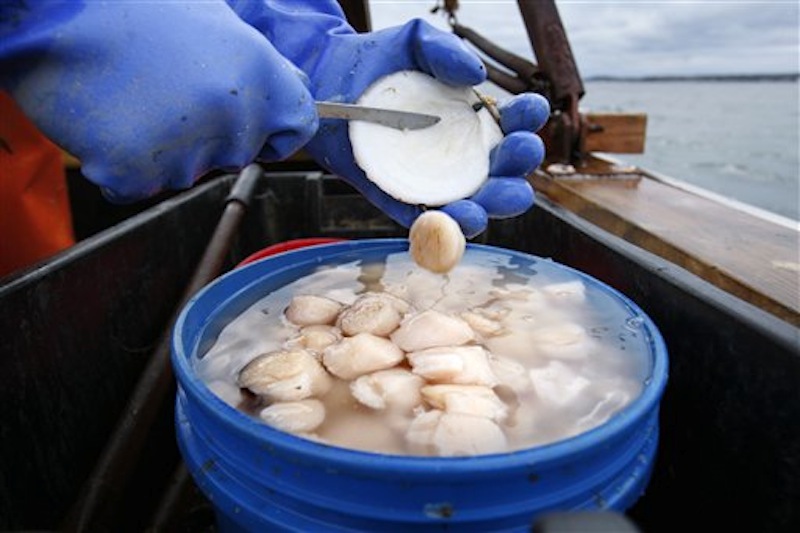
{"x": 751, "y": 255}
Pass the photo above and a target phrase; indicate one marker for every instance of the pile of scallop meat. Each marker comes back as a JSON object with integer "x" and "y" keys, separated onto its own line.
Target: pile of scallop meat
{"x": 383, "y": 356}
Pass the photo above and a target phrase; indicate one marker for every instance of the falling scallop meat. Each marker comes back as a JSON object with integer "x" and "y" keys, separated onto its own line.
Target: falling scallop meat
{"x": 436, "y": 242}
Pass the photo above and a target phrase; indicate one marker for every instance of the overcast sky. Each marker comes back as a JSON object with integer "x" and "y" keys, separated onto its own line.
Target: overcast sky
{"x": 638, "y": 38}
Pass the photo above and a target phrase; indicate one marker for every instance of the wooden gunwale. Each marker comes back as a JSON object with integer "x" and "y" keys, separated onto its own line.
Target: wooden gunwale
{"x": 749, "y": 254}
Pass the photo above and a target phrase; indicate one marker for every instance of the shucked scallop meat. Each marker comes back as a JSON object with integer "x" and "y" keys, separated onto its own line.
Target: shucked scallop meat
{"x": 444, "y": 380}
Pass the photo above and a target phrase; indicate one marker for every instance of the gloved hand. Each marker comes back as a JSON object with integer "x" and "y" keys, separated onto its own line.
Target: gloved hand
{"x": 341, "y": 64}
{"x": 152, "y": 95}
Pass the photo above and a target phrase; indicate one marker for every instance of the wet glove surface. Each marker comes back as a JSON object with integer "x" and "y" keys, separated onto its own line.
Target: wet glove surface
{"x": 341, "y": 64}
{"x": 152, "y": 95}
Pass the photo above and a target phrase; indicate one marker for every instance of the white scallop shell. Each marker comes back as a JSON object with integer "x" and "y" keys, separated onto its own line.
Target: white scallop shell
{"x": 431, "y": 166}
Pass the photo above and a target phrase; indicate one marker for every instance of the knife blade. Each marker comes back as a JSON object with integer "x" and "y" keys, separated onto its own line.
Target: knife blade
{"x": 401, "y": 120}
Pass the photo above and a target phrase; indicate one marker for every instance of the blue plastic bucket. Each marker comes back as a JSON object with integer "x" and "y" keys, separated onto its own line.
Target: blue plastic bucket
{"x": 262, "y": 479}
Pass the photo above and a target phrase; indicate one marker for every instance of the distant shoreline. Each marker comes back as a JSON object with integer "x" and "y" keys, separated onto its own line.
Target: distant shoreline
{"x": 704, "y": 77}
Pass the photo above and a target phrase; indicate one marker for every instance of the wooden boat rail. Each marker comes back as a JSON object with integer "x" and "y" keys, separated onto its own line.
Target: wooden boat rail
{"x": 743, "y": 251}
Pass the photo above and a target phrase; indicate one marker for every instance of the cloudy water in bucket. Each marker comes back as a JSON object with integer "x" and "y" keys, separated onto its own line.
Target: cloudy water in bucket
{"x": 564, "y": 357}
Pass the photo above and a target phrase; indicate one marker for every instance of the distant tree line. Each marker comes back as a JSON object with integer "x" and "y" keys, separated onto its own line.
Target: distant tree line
{"x": 702, "y": 77}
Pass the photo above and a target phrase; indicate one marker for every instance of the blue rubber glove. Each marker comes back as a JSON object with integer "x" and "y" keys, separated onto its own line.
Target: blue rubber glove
{"x": 152, "y": 95}
{"x": 341, "y": 64}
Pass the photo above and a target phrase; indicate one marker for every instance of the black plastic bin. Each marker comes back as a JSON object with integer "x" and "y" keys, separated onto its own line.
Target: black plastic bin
{"x": 76, "y": 332}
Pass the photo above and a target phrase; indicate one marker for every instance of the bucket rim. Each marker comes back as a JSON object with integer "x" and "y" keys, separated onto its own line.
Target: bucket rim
{"x": 331, "y": 456}
{"x": 286, "y": 246}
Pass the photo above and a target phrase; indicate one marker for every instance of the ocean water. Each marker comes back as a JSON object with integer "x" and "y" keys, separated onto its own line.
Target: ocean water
{"x": 738, "y": 139}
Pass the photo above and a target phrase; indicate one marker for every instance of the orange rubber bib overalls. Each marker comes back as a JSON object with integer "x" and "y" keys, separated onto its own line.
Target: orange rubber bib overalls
{"x": 35, "y": 220}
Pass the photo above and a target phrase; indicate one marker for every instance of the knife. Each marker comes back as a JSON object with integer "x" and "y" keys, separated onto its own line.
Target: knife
{"x": 401, "y": 120}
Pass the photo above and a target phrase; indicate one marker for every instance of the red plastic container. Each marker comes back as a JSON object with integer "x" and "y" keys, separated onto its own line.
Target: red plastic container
{"x": 285, "y": 247}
